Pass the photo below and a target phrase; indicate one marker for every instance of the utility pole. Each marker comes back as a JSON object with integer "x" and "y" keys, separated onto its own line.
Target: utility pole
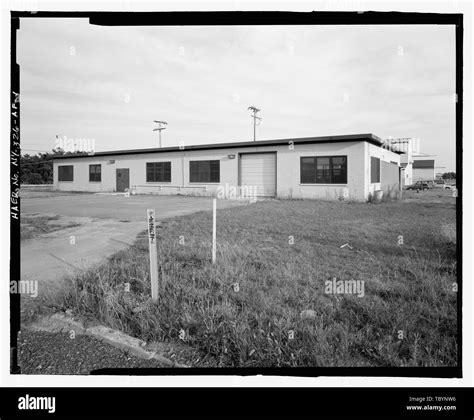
{"x": 161, "y": 125}
{"x": 254, "y": 111}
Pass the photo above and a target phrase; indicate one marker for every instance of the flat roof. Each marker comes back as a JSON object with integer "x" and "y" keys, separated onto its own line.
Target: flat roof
{"x": 370, "y": 138}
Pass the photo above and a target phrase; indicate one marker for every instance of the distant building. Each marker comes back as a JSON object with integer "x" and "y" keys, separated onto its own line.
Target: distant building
{"x": 423, "y": 170}
{"x": 416, "y": 166}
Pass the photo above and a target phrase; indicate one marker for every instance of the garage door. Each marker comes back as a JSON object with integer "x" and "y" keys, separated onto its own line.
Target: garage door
{"x": 259, "y": 170}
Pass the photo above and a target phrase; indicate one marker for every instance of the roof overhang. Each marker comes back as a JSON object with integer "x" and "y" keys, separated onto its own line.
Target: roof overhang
{"x": 370, "y": 138}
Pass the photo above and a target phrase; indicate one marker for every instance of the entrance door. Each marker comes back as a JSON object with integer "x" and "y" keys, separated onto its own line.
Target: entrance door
{"x": 259, "y": 170}
{"x": 123, "y": 179}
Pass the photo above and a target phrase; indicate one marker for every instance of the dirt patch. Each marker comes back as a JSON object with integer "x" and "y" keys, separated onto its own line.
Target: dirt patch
{"x": 37, "y": 224}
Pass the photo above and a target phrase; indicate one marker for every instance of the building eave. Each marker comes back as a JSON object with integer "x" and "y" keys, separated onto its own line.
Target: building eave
{"x": 370, "y": 138}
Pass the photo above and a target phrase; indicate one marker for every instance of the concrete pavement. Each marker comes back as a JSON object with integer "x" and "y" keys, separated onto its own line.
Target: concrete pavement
{"x": 110, "y": 223}
{"x": 104, "y": 206}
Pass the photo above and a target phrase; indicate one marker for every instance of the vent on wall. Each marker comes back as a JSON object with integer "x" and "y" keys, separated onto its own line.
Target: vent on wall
{"x": 111, "y": 161}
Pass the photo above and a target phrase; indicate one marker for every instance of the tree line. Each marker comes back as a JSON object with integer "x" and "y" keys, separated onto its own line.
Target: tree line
{"x": 38, "y": 168}
{"x": 449, "y": 175}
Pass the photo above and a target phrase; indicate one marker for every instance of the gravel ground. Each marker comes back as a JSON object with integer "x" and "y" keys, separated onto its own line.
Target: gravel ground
{"x": 45, "y": 353}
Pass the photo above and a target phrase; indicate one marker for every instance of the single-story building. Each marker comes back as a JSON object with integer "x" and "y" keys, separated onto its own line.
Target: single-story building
{"x": 416, "y": 166}
{"x": 330, "y": 167}
{"x": 424, "y": 170}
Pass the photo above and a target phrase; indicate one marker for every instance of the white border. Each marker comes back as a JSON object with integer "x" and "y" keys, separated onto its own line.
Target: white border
{"x": 454, "y": 6}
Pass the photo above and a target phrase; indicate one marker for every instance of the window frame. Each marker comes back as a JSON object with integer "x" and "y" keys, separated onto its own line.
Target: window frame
{"x": 330, "y": 181}
{"x": 72, "y": 173}
{"x": 95, "y": 165}
{"x": 377, "y": 172}
{"x": 200, "y": 163}
{"x": 162, "y": 172}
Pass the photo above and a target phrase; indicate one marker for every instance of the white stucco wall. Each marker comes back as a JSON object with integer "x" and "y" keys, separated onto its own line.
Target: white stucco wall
{"x": 288, "y": 170}
{"x": 408, "y": 174}
{"x": 384, "y": 155}
{"x": 137, "y": 166}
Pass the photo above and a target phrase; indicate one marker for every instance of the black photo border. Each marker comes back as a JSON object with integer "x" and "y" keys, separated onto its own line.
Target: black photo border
{"x": 197, "y": 18}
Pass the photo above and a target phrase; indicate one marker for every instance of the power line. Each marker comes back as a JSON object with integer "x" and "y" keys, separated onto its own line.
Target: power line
{"x": 254, "y": 111}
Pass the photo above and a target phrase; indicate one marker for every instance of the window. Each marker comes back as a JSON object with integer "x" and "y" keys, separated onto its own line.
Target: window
{"x": 65, "y": 173}
{"x": 94, "y": 173}
{"x": 374, "y": 169}
{"x": 204, "y": 171}
{"x": 324, "y": 170}
{"x": 158, "y": 172}
{"x": 339, "y": 170}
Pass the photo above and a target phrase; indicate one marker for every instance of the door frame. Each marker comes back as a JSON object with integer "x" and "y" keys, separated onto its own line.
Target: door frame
{"x": 116, "y": 178}
{"x": 259, "y": 153}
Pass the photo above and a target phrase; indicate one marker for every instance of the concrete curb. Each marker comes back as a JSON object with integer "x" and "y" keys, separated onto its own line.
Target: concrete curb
{"x": 60, "y": 322}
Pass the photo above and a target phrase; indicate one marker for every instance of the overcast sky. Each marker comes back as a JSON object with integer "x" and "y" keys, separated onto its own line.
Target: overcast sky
{"x": 110, "y": 83}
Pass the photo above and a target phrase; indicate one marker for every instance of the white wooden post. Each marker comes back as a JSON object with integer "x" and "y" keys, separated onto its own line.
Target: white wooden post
{"x": 153, "y": 253}
{"x": 214, "y": 231}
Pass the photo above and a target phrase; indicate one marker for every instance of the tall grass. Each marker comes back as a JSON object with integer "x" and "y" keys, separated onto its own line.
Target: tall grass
{"x": 407, "y": 316}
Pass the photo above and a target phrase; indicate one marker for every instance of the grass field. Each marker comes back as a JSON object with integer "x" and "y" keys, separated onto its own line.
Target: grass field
{"x": 264, "y": 303}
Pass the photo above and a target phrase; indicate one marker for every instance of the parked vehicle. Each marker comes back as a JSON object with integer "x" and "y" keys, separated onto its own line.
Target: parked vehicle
{"x": 419, "y": 185}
